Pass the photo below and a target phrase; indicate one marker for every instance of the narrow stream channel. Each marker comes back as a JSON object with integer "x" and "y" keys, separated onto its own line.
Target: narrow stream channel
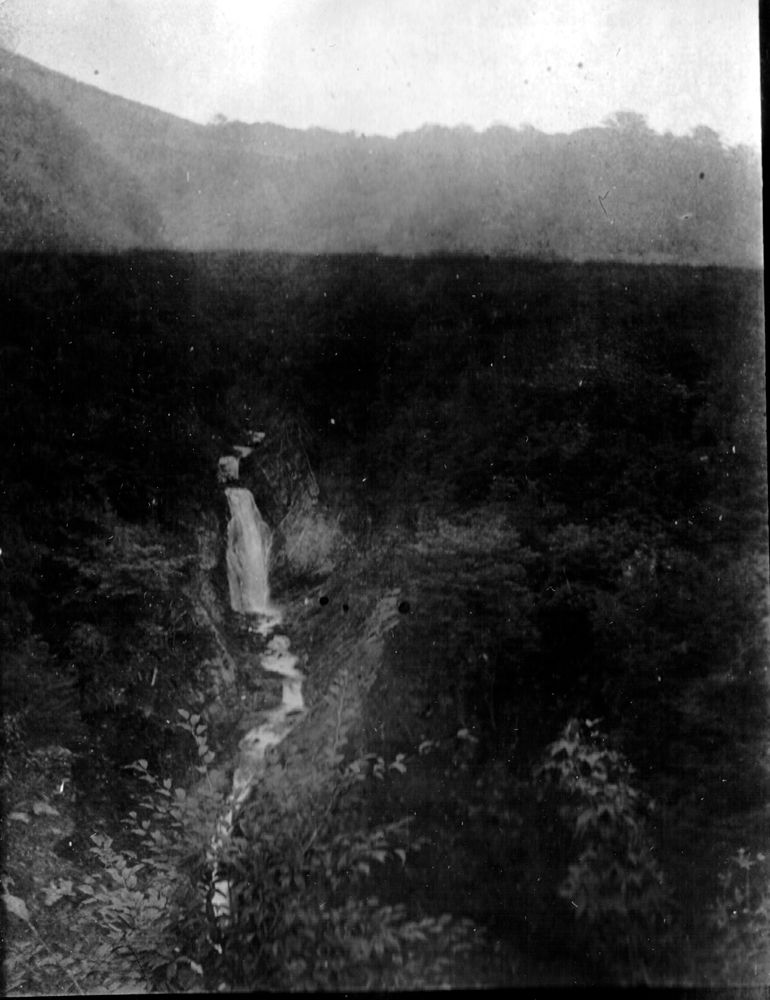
{"x": 248, "y": 558}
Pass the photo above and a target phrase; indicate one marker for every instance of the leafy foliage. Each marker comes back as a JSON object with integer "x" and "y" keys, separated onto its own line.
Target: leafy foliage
{"x": 140, "y": 899}
{"x": 615, "y": 884}
{"x": 740, "y": 918}
{"x": 304, "y": 918}
{"x": 39, "y": 698}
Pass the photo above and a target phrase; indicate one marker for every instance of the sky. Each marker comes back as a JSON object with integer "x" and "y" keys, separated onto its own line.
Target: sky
{"x": 388, "y": 66}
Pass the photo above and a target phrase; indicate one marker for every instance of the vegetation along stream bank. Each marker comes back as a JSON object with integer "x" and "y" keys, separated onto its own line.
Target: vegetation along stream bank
{"x": 382, "y": 622}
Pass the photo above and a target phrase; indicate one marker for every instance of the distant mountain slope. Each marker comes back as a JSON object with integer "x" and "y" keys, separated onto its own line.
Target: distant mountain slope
{"x": 617, "y": 192}
{"x": 58, "y": 189}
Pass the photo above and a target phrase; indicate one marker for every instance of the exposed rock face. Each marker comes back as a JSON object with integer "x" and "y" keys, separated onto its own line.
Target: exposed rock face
{"x": 312, "y": 538}
{"x": 206, "y": 606}
{"x": 279, "y": 473}
{"x": 207, "y": 538}
{"x": 229, "y": 469}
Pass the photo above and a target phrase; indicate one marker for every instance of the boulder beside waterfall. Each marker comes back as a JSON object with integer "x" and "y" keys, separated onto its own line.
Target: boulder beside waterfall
{"x": 228, "y": 469}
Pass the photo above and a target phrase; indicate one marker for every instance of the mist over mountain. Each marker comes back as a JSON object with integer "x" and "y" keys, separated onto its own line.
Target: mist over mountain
{"x": 82, "y": 168}
{"x": 59, "y": 189}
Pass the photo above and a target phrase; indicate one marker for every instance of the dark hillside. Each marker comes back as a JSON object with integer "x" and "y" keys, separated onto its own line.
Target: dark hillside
{"x": 555, "y": 472}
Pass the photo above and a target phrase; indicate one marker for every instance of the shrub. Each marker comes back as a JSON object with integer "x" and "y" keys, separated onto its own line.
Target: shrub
{"x": 139, "y": 913}
{"x": 301, "y": 917}
{"x": 740, "y": 920}
{"x": 39, "y": 697}
{"x": 614, "y": 884}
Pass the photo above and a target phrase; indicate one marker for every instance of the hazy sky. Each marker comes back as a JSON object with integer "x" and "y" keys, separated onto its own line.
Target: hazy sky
{"x": 387, "y": 66}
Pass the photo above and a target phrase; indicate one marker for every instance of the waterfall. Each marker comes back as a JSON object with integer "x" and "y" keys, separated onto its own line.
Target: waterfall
{"x": 248, "y": 554}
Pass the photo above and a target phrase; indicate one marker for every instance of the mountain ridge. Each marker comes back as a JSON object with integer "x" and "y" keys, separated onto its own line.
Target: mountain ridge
{"x": 617, "y": 191}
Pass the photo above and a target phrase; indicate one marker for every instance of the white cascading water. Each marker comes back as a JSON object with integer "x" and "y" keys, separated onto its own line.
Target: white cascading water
{"x": 248, "y": 554}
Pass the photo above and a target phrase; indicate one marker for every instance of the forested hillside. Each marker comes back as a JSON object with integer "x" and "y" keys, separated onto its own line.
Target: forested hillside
{"x": 59, "y": 188}
{"x": 556, "y": 473}
{"x": 619, "y": 192}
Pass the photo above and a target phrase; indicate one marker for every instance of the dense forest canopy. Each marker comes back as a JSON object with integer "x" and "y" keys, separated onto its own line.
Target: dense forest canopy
{"x": 564, "y": 467}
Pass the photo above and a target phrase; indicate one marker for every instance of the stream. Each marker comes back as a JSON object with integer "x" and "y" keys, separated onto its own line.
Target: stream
{"x": 248, "y": 557}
